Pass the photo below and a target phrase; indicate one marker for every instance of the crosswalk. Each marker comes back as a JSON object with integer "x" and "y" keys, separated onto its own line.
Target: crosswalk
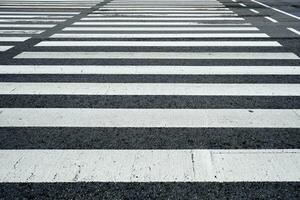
{"x": 145, "y": 91}
{"x": 22, "y": 20}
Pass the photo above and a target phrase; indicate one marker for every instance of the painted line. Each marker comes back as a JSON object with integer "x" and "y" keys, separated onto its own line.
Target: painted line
{"x": 32, "y": 20}
{"x": 21, "y": 31}
{"x": 34, "y": 16}
{"x": 57, "y": 7}
{"x": 253, "y": 10}
{"x": 165, "y": 15}
{"x": 162, "y": 6}
{"x": 180, "y": 89}
{"x": 151, "y": 69}
{"x": 5, "y": 48}
{"x": 161, "y": 19}
{"x": 164, "y": 9}
{"x": 161, "y": 29}
{"x": 27, "y": 25}
{"x": 161, "y": 35}
{"x": 206, "y": 5}
{"x": 294, "y": 31}
{"x": 86, "y": 23}
{"x": 162, "y": 12}
{"x": 243, "y": 5}
{"x": 164, "y": 3}
{"x": 188, "y": 165}
{"x": 158, "y": 55}
{"x": 38, "y": 13}
{"x": 276, "y": 9}
{"x": 271, "y": 19}
{"x": 13, "y": 39}
{"x": 160, "y": 118}
{"x": 159, "y": 43}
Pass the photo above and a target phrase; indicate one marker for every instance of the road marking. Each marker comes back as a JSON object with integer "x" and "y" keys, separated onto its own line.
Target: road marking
{"x": 161, "y": 19}
{"x": 158, "y": 55}
{"x": 38, "y": 13}
{"x": 34, "y": 16}
{"x": 177, "y": 29}
{"x": 159, "y": 43}
{"x": 162, "y": 12}
{"x": 180, "y": 7}
{"x": 32, "y": 20}
{"x": 27, "y": 25}
{"x": 271, "y": 19}
{"x": 160, "y": 35}
{"x": 151, "y": 69}
{"x": 46, "y": 7}
{"x": 243, "y": 5}
{"x": 278, "y": 10}
{"x": 5, "y": 48}
{"x": 180, "y": 89}
{"x": 255, "y": 11}
{"x": 294, "y": 31}
{"x": 143, "y": 118}
{"x": 165, "y": 15}
{"x": 188, "y": 165}
{"x": 162, "y": 9}
{"x": 21, "y": 31}
{"x": 162, "y": 23}
{"x": 13, "y": 39}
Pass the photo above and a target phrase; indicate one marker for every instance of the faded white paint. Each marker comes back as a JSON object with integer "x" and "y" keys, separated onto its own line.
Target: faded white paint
{"x": 158, "y": 55}
{"x": 160, "y": 118}
{"x": 39, "y": 88}
{"x": 150, "y": 165}
{"x": 149, "y": 69}
{"x": 159, "y": 43}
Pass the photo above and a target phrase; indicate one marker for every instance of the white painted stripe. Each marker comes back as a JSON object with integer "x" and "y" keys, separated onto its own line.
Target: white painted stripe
{"x": 27, "y": 25}
{"x": 46, "y": 13}
{"x": 160, "y": 43}
{"x": 161, "y": 18}
{"x": 192, "y": 118}
{"x": 294, "y": 31}
{"x": 158, "y": 55}
{"x": 161, "y": 6}
{"x": 56, "y": 1}
{"x": 14, "y": 31}
{"x": 161, "y": 35}
{"x": 271, "y": 19}
{"x": 87, "y": 23}
{"x": 4, "y": 48}
{"x": 181, "y": 89}
{"x": 278, "y": 10}
{"x": 161, "y": 29}
{"x": 162, "y": 9}
{"x": 243, "y": 5}
{"x": 164, "y": 15}
{"x": 33, "y": 16}
{"x": 167, "y": 11}
{"x": 13, "y": 39}
{"x": 151, "y": 69}
{"x": 255, "y": 11}
{"x": 62, "y": 1}
{"x": 32, "y": 20}
{"x": 159, "y": 3}
{"x": 188, "y": 165}
{"x": 41, "y": 6}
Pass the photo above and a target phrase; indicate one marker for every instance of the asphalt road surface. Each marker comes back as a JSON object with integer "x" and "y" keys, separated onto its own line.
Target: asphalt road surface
{"x": 149, "y": 99}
